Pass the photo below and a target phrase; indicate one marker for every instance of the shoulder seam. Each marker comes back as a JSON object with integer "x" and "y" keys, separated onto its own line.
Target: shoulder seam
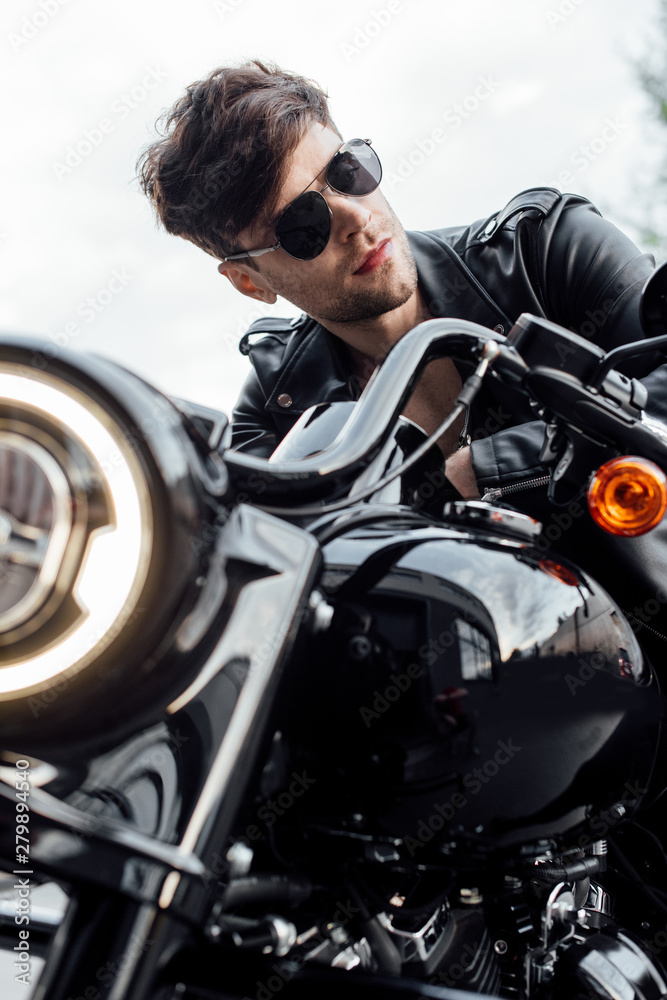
{"x": 536, "y": 199}
{"x": 270, "y": 326}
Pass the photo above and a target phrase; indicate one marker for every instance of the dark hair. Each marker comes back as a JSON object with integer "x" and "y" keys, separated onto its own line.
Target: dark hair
{"x": 220, "y": 163}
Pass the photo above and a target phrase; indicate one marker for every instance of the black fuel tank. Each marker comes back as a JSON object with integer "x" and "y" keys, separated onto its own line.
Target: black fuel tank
{"x": 472, "y": 694}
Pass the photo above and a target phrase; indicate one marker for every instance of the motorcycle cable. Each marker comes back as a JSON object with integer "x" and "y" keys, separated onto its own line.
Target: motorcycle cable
{"x": 631, "y": 873}
{"x": 325, "y": 530}
{"x": 656, "y": 841}
{"x": 469, "y": 390}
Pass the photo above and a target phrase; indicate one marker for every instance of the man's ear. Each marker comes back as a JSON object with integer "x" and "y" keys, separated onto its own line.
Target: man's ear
{"x": 252, "y": 284}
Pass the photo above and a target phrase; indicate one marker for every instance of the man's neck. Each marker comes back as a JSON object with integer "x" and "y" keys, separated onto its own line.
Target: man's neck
{"x": 375, "y": 337}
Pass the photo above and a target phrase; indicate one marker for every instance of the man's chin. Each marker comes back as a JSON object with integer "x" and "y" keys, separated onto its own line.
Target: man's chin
{"x": 389, "y": 288}
{"x": 367, "y": 307}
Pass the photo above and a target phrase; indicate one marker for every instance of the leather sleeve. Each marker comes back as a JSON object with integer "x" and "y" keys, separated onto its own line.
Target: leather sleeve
{"x": 584, "y": 274}
{"x": 253, "y": 430}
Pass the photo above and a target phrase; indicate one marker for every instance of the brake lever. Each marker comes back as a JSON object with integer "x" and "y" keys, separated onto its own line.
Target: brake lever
{"x": 623, "y": 352}
{"x": 595, "y": 417}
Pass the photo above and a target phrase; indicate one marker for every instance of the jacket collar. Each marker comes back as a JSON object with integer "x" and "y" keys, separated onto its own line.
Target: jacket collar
{"x": 449, "y": 286}
{"x": 315, "y": 356}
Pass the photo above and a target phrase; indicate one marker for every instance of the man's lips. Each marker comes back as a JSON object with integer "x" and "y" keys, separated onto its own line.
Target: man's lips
{"x": 378, "y": 256}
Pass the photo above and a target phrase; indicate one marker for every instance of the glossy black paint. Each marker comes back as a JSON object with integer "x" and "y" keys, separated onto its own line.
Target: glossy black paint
{"x": 419, "y": 487}
{"x": 491, "y": 655}
{"x": 503, "y": 701}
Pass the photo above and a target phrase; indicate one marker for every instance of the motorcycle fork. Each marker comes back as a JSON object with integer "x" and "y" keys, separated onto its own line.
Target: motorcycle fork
{"x": 108, "y": 948}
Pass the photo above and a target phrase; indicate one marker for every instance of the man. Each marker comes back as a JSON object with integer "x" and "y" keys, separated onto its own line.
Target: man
{"x": 253, "y": 170}
{"x": 246, "y": 170}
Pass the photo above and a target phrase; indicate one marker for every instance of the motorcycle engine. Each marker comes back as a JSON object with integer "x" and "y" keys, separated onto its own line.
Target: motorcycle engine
{"x": 473, "y": 720}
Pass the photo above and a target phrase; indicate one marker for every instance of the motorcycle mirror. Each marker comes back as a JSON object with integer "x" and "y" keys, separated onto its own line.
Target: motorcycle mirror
{"x": 653, "y": 303}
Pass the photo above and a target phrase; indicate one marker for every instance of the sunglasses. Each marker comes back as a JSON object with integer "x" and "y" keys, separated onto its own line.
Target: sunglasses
{"x": 303, "y": 229}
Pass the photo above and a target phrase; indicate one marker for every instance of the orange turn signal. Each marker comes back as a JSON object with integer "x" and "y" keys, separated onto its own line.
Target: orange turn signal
{"x": 628, "y": 495}
{"x": 560, "y": 572}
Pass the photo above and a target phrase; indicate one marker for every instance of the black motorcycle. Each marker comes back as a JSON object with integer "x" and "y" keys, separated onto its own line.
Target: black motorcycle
{"x": 310, "y": 725}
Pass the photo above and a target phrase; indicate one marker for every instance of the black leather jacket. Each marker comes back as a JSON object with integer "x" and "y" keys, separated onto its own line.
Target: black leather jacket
{"x": 545, "y": 253}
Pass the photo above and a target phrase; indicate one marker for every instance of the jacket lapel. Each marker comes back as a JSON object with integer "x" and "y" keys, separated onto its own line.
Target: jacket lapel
{"x": 450, "y": 288}
{"x": 313, "y": 361}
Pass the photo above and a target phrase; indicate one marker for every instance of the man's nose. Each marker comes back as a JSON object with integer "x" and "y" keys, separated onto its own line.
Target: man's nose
{"x": 350, "y": 215}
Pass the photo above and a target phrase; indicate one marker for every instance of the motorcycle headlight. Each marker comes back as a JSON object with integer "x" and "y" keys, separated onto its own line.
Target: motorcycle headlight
{"x": 76, "y": 530}
{"x": 101, "y": 513}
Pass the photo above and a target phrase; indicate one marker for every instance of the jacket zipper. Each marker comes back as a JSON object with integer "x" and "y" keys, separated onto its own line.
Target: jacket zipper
{"x": 526, "y": 484}
{"x": 649, "y": 628}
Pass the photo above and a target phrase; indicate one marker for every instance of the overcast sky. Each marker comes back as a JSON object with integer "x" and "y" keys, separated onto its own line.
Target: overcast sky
{"x": 518, "y": 93}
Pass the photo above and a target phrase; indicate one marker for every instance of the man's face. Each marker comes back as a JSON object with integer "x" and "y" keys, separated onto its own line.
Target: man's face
{"x": 366, "y": 269}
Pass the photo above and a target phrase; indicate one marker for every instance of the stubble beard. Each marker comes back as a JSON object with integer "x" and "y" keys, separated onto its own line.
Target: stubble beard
{"x": 366, "y": 303}
{"x": 369, "y": 303}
